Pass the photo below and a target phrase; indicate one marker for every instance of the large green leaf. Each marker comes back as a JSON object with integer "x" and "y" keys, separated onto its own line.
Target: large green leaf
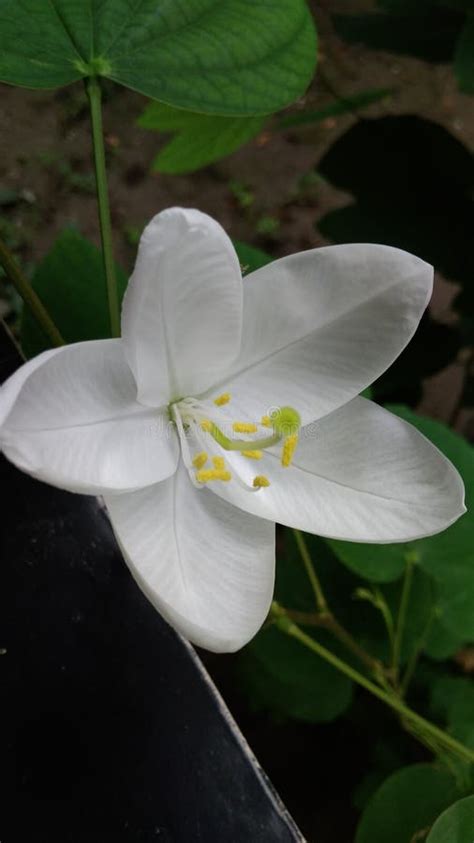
{"x": 452, "y": 698}
{"x": 442, "y": 642}
{"x": 456, "y": 824}
{"x": 220, "y": 56}
{"x": 406, "y": 804}
{"x": 375, "y": 562}
{"x": 70, "y": 282}
{"x": 464, "y": 57}
{"x": 281, "y": 675}
{"x": 199, "y": 139}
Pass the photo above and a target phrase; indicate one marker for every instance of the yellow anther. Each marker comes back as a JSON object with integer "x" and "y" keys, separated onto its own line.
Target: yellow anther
{"x": 218, "y": 462}
{"x": 222, "y": 399}
{"x": 200, "y": 460}
{"x": 253, "y": 455}
{"x": 266, "y": 421}
{"x": 289, "y": 447}
{"x": 244, "y": 427}
{"x": 260, "y": 482}
{"x": 206, "y": 425}
{"x": 207, "y": 474}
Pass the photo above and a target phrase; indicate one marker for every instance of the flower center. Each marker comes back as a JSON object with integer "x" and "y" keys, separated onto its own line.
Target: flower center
{"x": 208, "y": 439}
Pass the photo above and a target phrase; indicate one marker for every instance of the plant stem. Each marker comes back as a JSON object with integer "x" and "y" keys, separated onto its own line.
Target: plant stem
{"x": 94, "y": 93}
{"x": 321, "y": 602}
{"x": 324, "y": 617}
{"x": 402, "y": 613}
{"x": 24, "y": 288}
{"x": 381, "y": 604}
{"x": 327, "y": 621}
{"x": 419, "y": 724}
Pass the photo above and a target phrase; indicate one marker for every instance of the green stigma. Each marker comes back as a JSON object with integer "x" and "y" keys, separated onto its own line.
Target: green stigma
{"x": 285, "y": 421}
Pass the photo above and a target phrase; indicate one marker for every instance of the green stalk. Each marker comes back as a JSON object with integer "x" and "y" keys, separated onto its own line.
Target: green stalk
{"x": 94, "y": 93}
{"x": 419, "y": 724}
{"x": 240, "y": 444}
{"x": 325, "y": 618}
{"x": 24, "y": 288}
{"x": 321, "y": 602}
{"x": 381, "y": 604}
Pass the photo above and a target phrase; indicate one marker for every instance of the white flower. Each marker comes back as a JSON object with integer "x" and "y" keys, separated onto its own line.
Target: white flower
{"x": 142, "y": 420}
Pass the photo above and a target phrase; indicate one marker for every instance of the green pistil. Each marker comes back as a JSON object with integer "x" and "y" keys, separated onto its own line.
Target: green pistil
{"x": 285, "y": 421}
{"x": 241, "y": 444}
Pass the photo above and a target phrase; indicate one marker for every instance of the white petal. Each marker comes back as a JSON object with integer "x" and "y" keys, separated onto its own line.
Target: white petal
{"x": 11, "y": 388}
{"x": 74, "y": 421}
{"x": 321, "y": 325}
{"x": 360, "y": 474}
{"x": 206, "y": 566}
{"x": 182, "y": 314}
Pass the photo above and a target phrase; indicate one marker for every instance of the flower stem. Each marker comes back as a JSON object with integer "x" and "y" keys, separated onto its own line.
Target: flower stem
{"x": 321, "y": 601}
{"x": 31, "y": 299}
{"x": 381, "y": 604}
{"x": 94, "y": 93}
{"x": 328, "y": 621}
{"x": 418, "y": 724}
{"x": 324, "y": 617}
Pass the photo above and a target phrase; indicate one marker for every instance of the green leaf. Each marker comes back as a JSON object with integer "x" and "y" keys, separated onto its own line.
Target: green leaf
{"x": 452, "y": 699}
{"x": 406, "y": 804}
{"x": 70, "y": 282}
{"x": 342, "y": 106}
{"x": 442, "y": 642}
{"x": 200, "y": 139}
{"x": 464, "y": 57}
{"x": 250, "y": 257}
{"x": 280, "y": 675}
{"x": 456, "y": 825}
{"x": 375, "y": 562}
{"x": 231, "y": 57}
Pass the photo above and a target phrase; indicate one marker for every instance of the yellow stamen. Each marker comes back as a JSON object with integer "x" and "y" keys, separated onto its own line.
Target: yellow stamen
{"x": 222, "y": 399}
{"x": 200, "y": 460}
{"x": 244, "y": 427}
{"x": 207, "y": 474}
{"x": 266, "y": 421}
{"x": 218, "y": 462}
{"x": 206, "y": 426}
{"x": 289, "y": 447}
{"x": 260, "y": 482}
{"x": 253, "y": 455}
